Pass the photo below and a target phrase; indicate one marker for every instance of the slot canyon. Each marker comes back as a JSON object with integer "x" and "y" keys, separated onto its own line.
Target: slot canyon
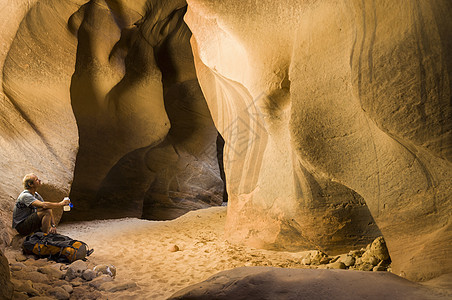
{"x": 320, "y": 125}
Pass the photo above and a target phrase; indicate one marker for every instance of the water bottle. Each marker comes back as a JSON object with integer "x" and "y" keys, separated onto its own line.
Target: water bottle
{"x": 67, "y": 207}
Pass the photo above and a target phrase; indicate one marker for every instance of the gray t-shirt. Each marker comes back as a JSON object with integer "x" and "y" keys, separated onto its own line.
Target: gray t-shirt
{"x": 23, "y": 207}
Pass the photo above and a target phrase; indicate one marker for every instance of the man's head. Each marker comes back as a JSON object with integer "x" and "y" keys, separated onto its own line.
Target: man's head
{"x": 31, "y": 181}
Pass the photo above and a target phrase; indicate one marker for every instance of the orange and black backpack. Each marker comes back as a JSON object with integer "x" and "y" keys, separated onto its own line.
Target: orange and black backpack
{"x": 56, "y": 246}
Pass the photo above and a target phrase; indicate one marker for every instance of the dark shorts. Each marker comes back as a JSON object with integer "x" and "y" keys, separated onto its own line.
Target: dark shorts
{"x": 29, "y": 225}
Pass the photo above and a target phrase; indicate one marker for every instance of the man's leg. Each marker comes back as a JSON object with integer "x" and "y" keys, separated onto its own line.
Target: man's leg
{"x": 29, "y": 225}
{"x": 46, "y": 216}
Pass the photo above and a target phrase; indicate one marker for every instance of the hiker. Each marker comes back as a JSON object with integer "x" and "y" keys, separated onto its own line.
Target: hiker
{"x": 31, "y": 212}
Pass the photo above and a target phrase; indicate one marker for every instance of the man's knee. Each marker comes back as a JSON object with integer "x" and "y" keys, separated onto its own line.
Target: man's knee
{"x": 44, "y": 212}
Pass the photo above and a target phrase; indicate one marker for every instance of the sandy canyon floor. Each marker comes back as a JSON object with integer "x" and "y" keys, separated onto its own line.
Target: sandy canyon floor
{"x": 163, "y": 257}
{"x": 144, "y": 251}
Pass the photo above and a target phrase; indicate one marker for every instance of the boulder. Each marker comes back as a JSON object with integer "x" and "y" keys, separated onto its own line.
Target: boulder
{"x": 99, "y": 281}
{"x": 6, "y": 287}
{"x": 27, "y": 288}
{"x": 33, "y": 276}
{"x": 276, "y": 283}
{"x": 52, "y": 272}
{"x": 89, "y": 275}
{"x": 105, "y": 269}
{"x": 348, "y": 260}
{"x": 59, "y": 293}
{"x": 378, "y": 249}
{"x": 115, "y": 286}
{"x": 76, "y": 269}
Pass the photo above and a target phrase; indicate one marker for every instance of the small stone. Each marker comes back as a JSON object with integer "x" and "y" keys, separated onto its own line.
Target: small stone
{"x": 17, "y": 266}
{"x": 52, "y": 272}
{"x": 384, "y": 263}
{"x": 77, "y": 282}
{"x": 365, "y": 267}
{"x": 336, "y": 265}
{"x": 33, "y": 276}
{"x": 348, "y": 260}
{"x": 68, "y": 288}
{"x": 84, "y": 292}
{"x": 174, "y": 248}
{"x": 89, "y": 275}
{"x": 97, "y": 282}
{"x": 41, "y": 287}
{"x": 20, "y": 296}
{"x": 59, "y": 293}
{"x": 27, "y": 288}
{"x": 378, "y": 268}
{"x": 356, "y": 253}
{"x": 76, "y": 269}
{"x": 325, "y": 260}
{"x": 38, "y": 262}
{"x": 318, "y": 257}
{"x": 369, "y": 258}
{"x": 113, "y": 287}
{"x": 378, "y": 249}
{"x": 16, "y": 283}
{"x": 334, "y": 259}
{"x": 105, "y": 269}
{"x": 60, "y": 282}
{"x": 20, "y": 257}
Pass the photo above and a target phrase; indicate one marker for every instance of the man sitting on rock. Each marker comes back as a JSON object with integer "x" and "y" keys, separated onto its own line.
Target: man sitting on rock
{"x": 31, "y": 212}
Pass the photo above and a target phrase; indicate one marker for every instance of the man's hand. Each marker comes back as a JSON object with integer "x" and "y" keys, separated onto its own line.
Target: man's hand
{"x": 53, "y": 230}
{"x": 65, "y": 202}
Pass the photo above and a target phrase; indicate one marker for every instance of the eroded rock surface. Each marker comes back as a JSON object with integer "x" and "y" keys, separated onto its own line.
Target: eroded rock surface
{"x": 38, "y": 132}
{"x": 323, "y": 103}
{"x": 89, "y": 93}
{"x": 6, "y": 287}
{"x": 145, "y": 130}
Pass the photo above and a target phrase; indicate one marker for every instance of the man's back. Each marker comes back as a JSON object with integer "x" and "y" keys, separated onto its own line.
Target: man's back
{"x": 23, "y": 207}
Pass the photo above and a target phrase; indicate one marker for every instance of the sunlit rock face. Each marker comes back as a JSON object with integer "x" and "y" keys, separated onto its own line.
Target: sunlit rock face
{"x": 38, "y": 132}
{"x": 100, "y": 100}
{"x": 145, "y": 129}
{"x": 322, "y": 102}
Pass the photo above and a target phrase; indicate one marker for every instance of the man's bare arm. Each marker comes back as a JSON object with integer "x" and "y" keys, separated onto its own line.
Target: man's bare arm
{"x": 47, "y": 205}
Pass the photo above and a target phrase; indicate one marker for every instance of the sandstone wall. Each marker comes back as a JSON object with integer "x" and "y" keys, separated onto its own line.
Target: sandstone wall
{"x": 38, "y": 132}
{"x": 146, "y": 134}
{"x": 100, "y": 99}
{"x": 321, "y": 103}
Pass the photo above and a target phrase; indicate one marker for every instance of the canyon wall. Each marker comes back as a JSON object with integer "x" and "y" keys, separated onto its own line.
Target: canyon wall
{"x": 321, "y": 103}
{"x": 147, "y": 140}
{"x": 100, "y": 99}
{"x": 38, "y": 132}
{"x": 336, "y": 117}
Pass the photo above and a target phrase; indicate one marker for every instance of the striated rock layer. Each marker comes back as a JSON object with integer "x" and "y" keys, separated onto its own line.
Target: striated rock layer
{"x": 38, "y": 132}
{"x": 321, "y": 103}
{"x": 146, "y": 134}
{"x": 101, "y": 100}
